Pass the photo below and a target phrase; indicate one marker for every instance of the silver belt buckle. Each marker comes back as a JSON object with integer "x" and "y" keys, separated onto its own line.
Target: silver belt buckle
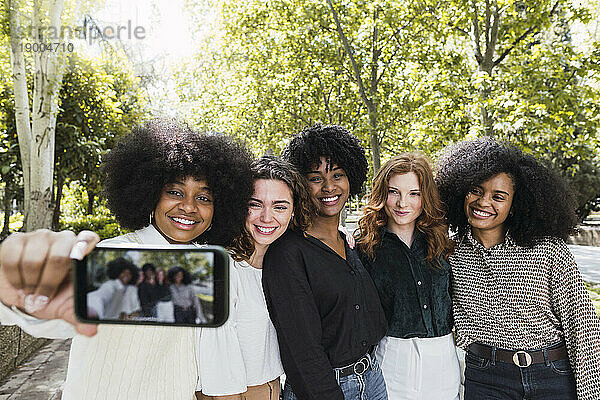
{"x": 517, "y": 360}
{"x": 364, "y": 363}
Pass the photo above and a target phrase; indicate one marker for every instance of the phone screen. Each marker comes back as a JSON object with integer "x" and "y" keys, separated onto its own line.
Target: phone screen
{"x": 134, "y": 284}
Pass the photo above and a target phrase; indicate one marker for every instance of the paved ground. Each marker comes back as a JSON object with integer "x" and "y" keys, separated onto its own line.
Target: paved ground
{"x": 40, "y": 377}
{"x": 588, "y": 260}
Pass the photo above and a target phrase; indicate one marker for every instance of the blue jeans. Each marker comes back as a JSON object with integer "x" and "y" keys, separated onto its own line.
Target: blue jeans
{"x": 491, "y": 379}
{"x": 368, "y": 386}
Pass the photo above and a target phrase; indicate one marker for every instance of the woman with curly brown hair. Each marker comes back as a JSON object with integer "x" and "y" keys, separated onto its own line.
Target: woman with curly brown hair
{"x": 521, "y": 309}
{"x": 403, "y": 242}
{"x": 280, "y": 200}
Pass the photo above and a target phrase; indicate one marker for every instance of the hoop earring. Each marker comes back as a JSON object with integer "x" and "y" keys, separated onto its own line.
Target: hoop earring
{"x": 150, "y": 219}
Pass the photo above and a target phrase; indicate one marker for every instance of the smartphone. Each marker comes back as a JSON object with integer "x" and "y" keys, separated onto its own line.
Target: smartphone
{"x": 153, "y": 285}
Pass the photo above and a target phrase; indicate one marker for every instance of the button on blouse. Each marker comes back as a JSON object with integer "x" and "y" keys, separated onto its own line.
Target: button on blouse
{"x": 324, "y": 316}
{"x": 414, "y": 295}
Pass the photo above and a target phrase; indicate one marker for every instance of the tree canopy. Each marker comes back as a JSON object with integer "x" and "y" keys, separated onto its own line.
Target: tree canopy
{"x": 408, "y": 76}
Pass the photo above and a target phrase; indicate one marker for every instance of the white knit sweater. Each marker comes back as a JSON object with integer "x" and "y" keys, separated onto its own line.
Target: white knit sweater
{"x": 122, "y": 362}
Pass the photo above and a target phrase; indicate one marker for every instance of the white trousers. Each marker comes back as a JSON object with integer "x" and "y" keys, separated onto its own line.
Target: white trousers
{"x": 420, "y": 368}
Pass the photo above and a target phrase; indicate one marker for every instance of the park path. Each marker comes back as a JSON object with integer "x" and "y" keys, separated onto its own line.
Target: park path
{"x": 41, "y": 376}
{"x": 588, "y": 261}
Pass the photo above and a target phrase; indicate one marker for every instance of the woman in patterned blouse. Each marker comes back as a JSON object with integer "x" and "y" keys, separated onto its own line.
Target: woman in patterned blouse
{"x": 521, "y": 309}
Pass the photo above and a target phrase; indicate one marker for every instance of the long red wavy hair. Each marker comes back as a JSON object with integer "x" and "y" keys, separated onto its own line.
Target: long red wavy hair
{"x": 431, "y": 221}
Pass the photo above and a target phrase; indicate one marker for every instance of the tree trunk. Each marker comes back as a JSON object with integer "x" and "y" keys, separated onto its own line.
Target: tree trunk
{"x": 22, "y": 118}
{"x": 57, "y": 201}
{"x": 46, "y": 87}
{"x": 369, "y": 99}
{"x": 486, "y": 120}
{"x": 6, "y": 208}
{"x": 92, "y": 196}
{"x": 373, "y": 112}
{"x": 485, "y": 59}
{"x": 374, "y": 141}
{"x": 36, "y": 141}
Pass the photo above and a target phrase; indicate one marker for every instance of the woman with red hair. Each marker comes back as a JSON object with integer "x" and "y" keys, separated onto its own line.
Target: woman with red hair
{"x": 403, "y": 242}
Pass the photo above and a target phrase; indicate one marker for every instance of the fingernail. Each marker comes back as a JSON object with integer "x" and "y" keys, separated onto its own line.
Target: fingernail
{"x": 21, "y": 293}
{"x": 35, "y": 303}
{"x": 77, "y": 252}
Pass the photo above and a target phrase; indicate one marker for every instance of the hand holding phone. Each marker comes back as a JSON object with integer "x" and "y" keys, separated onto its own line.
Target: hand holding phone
{"x": 180, "y": 285}
{"x": 35, "y": 273}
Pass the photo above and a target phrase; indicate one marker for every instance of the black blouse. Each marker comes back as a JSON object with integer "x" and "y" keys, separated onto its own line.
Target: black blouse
{"x": 325, "y": 310}
{"x": 415, "y": 296}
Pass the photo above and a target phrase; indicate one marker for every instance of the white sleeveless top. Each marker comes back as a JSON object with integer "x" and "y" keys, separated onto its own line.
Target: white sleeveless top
{"x": 244, "y": 351}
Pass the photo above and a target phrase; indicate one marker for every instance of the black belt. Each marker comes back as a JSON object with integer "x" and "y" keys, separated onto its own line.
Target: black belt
{"x": 360, "y": 366}
{"x": 520, "y": 358}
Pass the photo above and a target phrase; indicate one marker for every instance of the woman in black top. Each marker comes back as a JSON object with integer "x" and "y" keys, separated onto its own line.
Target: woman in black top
{"x": 321, "y": 300}
{"x": 147, "y": 291}
{"x": 403, "y": 242}
{"x": 165, "y": 309}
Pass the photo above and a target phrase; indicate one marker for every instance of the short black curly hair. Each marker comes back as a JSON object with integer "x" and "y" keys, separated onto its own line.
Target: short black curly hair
{"x": 543, "y": 204}
{"x": 336, "y": 144}
{"x": 137, "y": 168}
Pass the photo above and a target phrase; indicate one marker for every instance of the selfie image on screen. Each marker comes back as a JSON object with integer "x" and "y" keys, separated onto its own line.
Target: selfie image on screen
{"x": 160, "y": 286}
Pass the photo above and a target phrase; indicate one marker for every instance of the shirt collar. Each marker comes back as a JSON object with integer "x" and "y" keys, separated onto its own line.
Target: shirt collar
{"x": 508, "y": 241}
{"x": 319, "y": 243}
{"x": 119, "y": 284}
{"x": 150, "y": 235}
{"x": 418, "y": 241}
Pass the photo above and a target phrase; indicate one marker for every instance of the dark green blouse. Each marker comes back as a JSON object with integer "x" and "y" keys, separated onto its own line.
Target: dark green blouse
{"x": 415, "y": 296}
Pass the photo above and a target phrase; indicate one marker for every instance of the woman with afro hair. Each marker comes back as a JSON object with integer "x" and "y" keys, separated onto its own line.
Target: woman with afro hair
{"x": 172, "y": 186}
{"x": 322, "y": 302}
{"x": 521, "y": 309}
{"x": 403, "y": 242}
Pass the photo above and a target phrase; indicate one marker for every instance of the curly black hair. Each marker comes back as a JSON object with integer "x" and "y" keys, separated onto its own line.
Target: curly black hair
{"x": 187, "y": 277}
{"x": 118, "y": 265}
{"x": 543, "y": 204}
{"x": 148, "y": 266}
{"x": 137, "y": 168}
{"x": 334, "y": 143}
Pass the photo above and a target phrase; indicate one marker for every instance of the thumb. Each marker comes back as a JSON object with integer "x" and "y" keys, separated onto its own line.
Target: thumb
{"x": 84, "y": 243}
{"x": 82, "y": 328}
{"x": 66, "y": 312}
{"x": 86, "y": 329}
